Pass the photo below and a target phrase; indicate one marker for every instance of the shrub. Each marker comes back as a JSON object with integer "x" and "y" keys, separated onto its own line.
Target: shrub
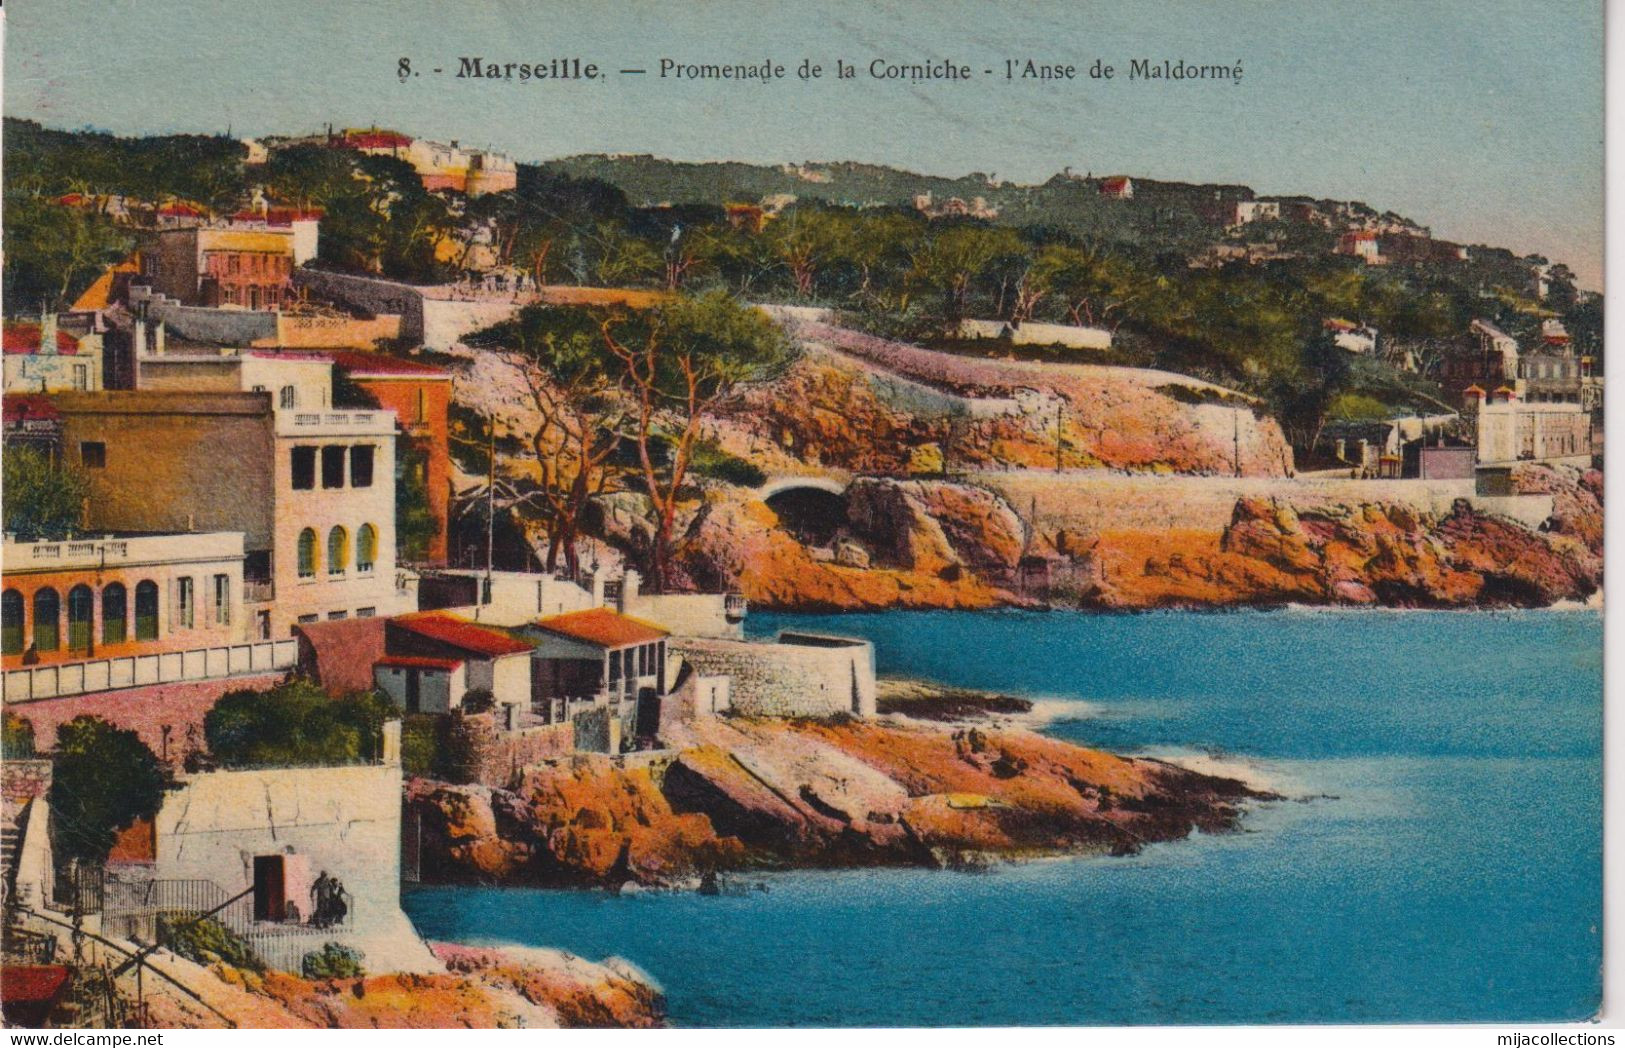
{"x": 333, "y": 961}
{"x": 102, "y": 779}
{"x": 206, "y": 941}
{"x": 296, "y": 723}
{"x": 710, "y": 460}
{"x": 478, "y": 700}
{"x": 16, "y": 738}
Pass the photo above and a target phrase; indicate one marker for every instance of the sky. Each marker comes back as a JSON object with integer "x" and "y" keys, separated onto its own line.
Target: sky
{"x": 1482, "y": 119}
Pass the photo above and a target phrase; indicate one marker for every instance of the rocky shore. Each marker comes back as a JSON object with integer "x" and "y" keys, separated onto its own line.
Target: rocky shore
{"x": 736, "y": 795}
{"x": 482, "y": 988}
{"x": 960, "y": 545}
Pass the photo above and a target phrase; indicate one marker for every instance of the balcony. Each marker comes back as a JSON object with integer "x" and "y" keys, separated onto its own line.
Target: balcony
{"x": 258, "y": 591}
{"x": 334, "y": 423}
{"x": 108, "y": 551}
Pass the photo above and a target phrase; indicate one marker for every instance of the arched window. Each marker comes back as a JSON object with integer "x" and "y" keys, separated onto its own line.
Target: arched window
{"x": 307, "y": 553}
{"x": 115, "y": 607}
{"x": 47, "y": 620}
{"x": 338, "y": 551}
{"x": 11, "y": 622}
{"x": 81, "y": 617}
{"x": 366, "y": 548}
{"x": 287, "y": 398}
{"x": 146, "y": 610}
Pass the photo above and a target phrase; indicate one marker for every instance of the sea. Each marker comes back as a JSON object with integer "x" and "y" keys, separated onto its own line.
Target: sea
{"x": 1437, "y": 856}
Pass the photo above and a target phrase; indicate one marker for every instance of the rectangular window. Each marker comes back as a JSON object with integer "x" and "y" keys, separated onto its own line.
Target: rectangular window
{"x": 92, "y": 454}
{"x": 334, "y": 616}
{"x": 361, "y": 466}
{"x": 81, "y": 376}
{"x": 305, "y": 620}
{"x": 333, "y": 466}
{"x": 304, "y": 468}
{"x": 614, "y": 666}
{"x": 365, "y": 613}
{"x": 262, "y": 625}
{"x": 222, "y": 600}
{"x": 185, "y": 603}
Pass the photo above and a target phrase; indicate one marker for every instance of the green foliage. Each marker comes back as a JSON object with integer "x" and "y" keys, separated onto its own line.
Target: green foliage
{"x": 53, "y": 252}
{"x": 103, "y": 779}
{"x": 1357, "y": 407}
{"x": 711, "y": 460}
{"x": 16, "y": 738}
{"x": 295, "y": 724}
{"x": 206, "y": 941}
{"x": 43, "y": 500}
{"x": 415, "y": 524}
{"x": 333, "y": 961}
{"x": 420, "y": 744}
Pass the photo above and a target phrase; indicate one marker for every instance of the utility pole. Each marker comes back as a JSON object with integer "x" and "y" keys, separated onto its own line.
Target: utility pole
{"x": 490, "y": 512}
{"x": 1235, "y": 421}
{"x": 1058, "y": 407}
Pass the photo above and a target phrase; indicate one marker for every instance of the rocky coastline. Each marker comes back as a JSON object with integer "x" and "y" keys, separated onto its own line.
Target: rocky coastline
{"x": 944, "y": 544}
{"x": 958, "y": 783}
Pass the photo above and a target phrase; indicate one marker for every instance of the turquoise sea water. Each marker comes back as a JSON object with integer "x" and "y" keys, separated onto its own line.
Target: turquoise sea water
{"x": 1441, "y": 858}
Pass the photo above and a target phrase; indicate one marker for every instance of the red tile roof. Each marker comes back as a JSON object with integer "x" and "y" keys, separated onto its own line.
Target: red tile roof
{"x": 36, "y": 985}
{"x": 363, "y": 364}
{"x": 181, "y": 211}
{"x": 419, "y": 662}
{"x": 1114, "y": 182}
{"x": 23, "y": 339}
{"x": 603, "y": 627}
{"x": 375, "y": 140}
{"x": 461, "y": 633}
{"x": 340, "y": 653}
{"x": 20, "y": 407}
{"x": 279, "y": 216}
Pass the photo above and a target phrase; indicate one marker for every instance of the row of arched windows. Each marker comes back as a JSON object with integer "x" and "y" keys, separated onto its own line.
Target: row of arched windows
{"x": 81, "y": 605}
{"x": 338, "y": 551}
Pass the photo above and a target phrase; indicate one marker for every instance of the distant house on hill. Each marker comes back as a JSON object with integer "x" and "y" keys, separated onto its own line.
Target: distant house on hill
{"x": 1117, "y": 187}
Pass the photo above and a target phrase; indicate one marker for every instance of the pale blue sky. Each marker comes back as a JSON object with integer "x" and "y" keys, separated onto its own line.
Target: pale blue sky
{"x": 1481, "y": 118}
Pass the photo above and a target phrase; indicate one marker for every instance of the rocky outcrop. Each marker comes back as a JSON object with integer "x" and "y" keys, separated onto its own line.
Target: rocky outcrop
{"x": 482, "y": 988}
{"x": 869, "y": 405}
{"x": 742, "y": 794}
{"x": 736, "y": 544}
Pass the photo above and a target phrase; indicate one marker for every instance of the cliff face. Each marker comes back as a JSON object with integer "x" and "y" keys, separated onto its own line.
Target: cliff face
{"x": 740, "y": 794}
{"x": 929, "y": 543}
{"x": 1372, "y": 553}
{"x": 874, "y": 406}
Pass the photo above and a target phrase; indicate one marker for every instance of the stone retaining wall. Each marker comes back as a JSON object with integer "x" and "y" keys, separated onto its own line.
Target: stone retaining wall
{"x": 802, "y": 675}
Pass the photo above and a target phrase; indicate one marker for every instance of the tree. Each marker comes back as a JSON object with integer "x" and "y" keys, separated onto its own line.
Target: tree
{"x": 54, "y": 252}
{"x": 674, "y": 363}
{"x": 1097, "y": 288}
{"x": 950, "y": 262}
{"x": 296, "y": 723}
{"x": 103, "y": 779}
{"x": 43, "y": 500}
{"x": 573, "y": 386}
{"x": 805, "y": 240}
{"x": 1306, "y": 396}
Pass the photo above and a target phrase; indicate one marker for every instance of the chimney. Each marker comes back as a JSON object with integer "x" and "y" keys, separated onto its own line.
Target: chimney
{"x": 47, "y": 334}
{"x": 629, "y": 592}
{"x": 598, "y": 574}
